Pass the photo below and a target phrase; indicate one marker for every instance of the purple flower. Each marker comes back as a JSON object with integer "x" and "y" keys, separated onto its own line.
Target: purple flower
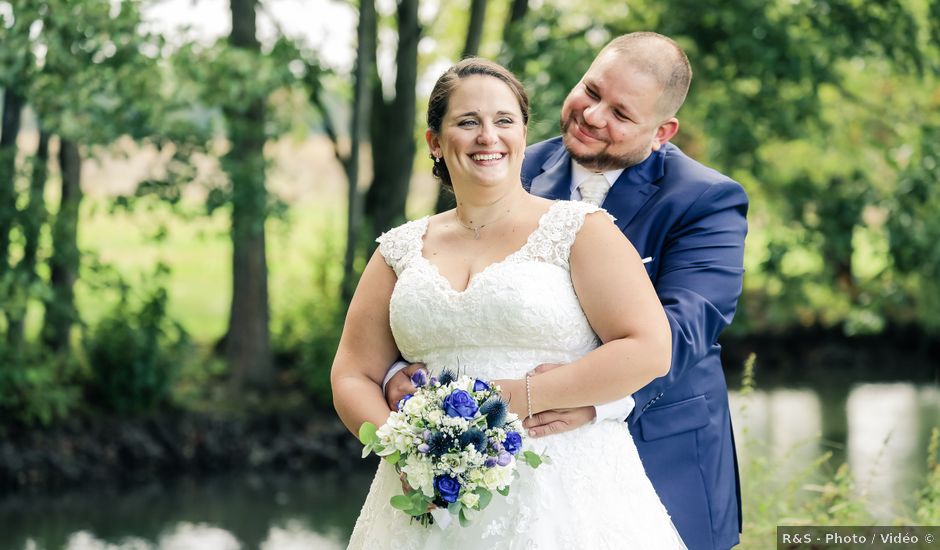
{"x": 419, "y": 378}
{"x": 504, "y": 459}
{"x": 401, "y": 404}
{"x": 448, "y": 487}
{"x": 460, "y": 404}
{"x": 423, "y": 448}
{"x": 513, "y": 442}
{"x": 479, "y": 385}
{"x": 490, "y": 462}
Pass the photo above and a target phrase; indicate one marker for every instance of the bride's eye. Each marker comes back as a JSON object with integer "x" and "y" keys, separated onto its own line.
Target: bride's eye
{"x": 467, "y": 122}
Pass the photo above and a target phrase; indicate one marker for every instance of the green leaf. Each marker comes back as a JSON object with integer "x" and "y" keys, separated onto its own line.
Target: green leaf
{"x": 419, "y": 503}
{"x": 367, "y": 433}
{"x": 532, "y": 459}
{"x": 394, "y": 457}
{"x": 485, "y": 498}
{"x": 464, "y": 521}
{"x": 401, "y": 502}
{"x": 503, "y": 491}
{"x": 366, "y": 451}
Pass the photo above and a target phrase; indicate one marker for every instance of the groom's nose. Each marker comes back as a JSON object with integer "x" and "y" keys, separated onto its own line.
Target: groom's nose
{"x": 593, "y": 115}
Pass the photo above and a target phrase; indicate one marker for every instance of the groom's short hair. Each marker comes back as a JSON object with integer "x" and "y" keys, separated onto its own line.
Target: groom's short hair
{"x": 662, "y": 58}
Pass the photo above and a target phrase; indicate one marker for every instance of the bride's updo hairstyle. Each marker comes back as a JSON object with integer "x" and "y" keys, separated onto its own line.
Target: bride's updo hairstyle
{"x": 445, "y": 85}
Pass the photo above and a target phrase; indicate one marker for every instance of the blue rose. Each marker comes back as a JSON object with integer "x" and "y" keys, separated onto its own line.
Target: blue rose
{"x": 479, "y": 385}
{"x": 448, "y": 487}
{"x": 460, "y": 404}
{"x": 401, "y": 404}
{"x": 513, "y": 442}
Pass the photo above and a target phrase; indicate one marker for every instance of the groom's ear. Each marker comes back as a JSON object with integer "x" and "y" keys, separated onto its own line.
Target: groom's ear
{"x": 664, "y": 133}
{"x": 434, "y": 144}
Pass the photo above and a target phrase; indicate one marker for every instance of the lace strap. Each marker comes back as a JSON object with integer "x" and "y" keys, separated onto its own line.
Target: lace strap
{"x": 557, "y": 230}
{"x": 400, "y": 245}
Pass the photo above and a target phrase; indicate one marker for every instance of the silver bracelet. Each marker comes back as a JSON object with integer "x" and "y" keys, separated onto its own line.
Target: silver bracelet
{"x": 528, "y": 394}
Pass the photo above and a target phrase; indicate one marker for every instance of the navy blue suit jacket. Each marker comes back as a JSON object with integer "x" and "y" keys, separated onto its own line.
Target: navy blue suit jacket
{"x": 691, "y": 221}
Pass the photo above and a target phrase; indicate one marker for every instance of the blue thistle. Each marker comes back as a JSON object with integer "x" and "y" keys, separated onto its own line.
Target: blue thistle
{"x": 494, "y": 409}
{"x": 439, "y": 443}
{"x": 446, "y": 377}
{"x": 474, "y": 437}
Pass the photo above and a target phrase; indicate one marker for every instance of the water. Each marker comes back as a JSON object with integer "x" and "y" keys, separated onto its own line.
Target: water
{"x": 270, "y": 512}
{"x": 881, "y": 429}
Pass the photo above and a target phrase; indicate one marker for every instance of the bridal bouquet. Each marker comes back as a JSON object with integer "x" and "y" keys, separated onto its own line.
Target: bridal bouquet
{"x": 454, "y": 443}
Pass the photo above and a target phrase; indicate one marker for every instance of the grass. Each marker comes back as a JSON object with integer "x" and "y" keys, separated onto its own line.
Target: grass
{"x": 198, "y": 252}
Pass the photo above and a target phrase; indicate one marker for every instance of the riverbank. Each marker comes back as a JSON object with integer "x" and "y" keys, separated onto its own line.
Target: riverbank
{"x": 113, "y": 450}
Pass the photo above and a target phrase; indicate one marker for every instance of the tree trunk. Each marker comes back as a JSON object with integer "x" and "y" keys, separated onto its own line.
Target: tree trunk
{"x": 12, "y": 109}
{"x": 445, "y": 197}
{"x": 512, "y": 34}
{"x": 475, "y": 28}
{"x": 365, "y": 67}
{"x": 33, "y": 217}
{"x": 64, "y": 263}
{"x": 393, "y": 126}
{"x": 247, "y": 342}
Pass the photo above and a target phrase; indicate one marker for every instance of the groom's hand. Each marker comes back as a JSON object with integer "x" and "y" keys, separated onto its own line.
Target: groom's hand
{"x": 557, "y": 420}
{"x": 400, "y": 385}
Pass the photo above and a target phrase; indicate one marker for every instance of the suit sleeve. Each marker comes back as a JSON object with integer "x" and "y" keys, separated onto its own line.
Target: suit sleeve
{"x": 700, "y": 278}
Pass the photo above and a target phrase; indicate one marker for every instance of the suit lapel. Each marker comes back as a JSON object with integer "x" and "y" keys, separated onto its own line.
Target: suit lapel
{"x": 554, "y": 182}
{"x": 634, "y": 188}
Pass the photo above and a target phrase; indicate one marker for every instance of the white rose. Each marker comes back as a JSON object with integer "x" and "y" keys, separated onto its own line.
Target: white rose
{"x": 415, "y": 405}
{"x": 470, "y": 499}
{"x": 498, "y": 477}
{"x": 420, "y": 476}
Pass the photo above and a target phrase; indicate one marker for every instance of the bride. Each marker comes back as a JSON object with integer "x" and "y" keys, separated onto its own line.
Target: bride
{"x": 505, "y": 282}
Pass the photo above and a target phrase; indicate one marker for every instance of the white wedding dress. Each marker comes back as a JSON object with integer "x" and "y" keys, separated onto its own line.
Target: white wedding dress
{"x": 514, "y": 315}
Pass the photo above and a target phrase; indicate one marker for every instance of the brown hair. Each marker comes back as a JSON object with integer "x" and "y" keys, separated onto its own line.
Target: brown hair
{"x": 661, "y": 57}
{"x": 444, "y": 87}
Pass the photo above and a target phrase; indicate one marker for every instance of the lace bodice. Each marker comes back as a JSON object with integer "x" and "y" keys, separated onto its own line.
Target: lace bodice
{"x": 513, "y": 315}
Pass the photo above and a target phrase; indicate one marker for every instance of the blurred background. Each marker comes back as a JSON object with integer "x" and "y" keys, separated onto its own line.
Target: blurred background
{"x": 190, "y": 189}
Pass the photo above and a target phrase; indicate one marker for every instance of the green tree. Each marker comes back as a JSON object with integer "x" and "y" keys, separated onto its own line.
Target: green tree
{"x": 248, "y": 347}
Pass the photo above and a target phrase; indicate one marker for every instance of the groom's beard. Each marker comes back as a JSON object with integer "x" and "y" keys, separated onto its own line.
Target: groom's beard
{"x": 602, "y": 161}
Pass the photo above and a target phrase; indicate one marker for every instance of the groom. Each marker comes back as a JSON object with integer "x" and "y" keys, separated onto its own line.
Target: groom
{"x": 688, "y": 223}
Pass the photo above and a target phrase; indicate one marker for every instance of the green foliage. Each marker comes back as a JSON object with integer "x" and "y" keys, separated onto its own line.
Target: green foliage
{"x": 306, "y": 338}
{"x": 37, "y": 388}
{"x": 928, "y": 503}
{"x": 135, "y": 351}
{"x": 914, "y": 227}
